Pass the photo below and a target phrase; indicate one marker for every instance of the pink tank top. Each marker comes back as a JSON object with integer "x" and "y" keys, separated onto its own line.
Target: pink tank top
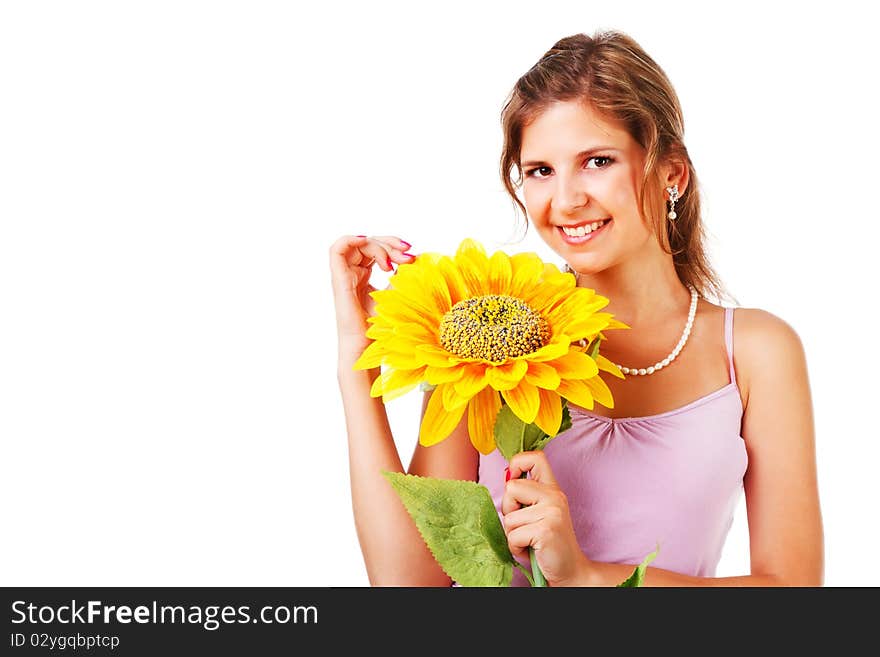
{"x": 672, "y": 479}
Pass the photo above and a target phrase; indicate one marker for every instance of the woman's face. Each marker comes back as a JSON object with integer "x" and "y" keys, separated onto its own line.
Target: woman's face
{"x": 579, "y": 169}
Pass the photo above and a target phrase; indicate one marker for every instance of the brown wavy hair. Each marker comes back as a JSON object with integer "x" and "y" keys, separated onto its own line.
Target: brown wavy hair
{"x": 612, "y": 74}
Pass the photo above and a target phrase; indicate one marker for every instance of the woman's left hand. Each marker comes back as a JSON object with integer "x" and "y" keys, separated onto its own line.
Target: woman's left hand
{"x": 536, "y": 514}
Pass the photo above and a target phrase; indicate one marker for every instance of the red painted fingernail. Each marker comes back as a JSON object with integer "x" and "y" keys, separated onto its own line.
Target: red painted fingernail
{"x": 409, "y": 255}
{"x": 506, "y": 474}
{"x": 388, "y": 260}
{"x": 361, "y": 235}
{"x": 408, "y": 245}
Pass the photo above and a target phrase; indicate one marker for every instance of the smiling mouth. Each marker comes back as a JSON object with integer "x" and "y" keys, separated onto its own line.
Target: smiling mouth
{"x": 584, "y": 229}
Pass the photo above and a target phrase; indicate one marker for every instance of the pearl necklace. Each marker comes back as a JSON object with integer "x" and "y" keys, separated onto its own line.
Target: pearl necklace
{"x": 659, "y": 365}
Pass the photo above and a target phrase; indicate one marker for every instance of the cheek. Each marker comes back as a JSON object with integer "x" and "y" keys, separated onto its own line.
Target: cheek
{"x": 623, "y": 193}
{"x": 623, "y": 202}
{"x": 535, "y": 201}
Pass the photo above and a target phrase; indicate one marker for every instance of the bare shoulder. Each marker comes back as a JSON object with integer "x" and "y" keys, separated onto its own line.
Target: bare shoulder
{"x": 781, "y": 484}
{"x": 761, "y": 334}
{"x": 765, "y": 347}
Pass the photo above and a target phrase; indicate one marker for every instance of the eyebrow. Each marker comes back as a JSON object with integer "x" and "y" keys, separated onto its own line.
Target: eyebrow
{"x": 589, "y": 151}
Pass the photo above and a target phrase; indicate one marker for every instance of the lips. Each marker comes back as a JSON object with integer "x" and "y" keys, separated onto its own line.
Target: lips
{"x": 587, "y": 223}
{"x": 580, "y": 239}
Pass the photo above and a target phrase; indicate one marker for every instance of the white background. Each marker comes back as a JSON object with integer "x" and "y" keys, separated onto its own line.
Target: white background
{"x": 172, "y": 175}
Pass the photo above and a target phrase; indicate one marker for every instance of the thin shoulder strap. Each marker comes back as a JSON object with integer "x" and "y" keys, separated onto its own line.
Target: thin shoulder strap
{"x": 728, "y": 340}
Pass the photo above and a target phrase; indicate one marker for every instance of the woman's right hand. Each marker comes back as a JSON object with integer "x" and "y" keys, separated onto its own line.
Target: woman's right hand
{"x": 351, "y": 261}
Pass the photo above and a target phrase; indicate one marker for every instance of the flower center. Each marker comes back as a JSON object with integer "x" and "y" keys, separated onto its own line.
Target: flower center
{"x": 493, "y": 327}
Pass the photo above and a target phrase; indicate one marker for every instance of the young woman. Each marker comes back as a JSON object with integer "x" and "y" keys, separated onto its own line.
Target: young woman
{"x": 594, "y": 132}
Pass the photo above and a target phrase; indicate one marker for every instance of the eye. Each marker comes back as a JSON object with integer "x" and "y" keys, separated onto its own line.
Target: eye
{"x": 605, "y": 161}
{"x": 531, "y": 172}
{"x": 601, "y": 162}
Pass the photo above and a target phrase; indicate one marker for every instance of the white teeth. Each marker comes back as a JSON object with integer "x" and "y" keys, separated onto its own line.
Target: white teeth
{"x": 580, "y": 231}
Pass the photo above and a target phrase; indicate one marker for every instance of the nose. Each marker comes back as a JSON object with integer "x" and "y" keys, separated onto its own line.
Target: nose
{"x": 569, "y": 195}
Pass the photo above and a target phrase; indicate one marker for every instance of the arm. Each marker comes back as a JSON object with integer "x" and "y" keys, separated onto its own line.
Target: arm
{"x": 781, "y": 487}
{"x": 394, "y": 552}
{"x": 782, "y": 501}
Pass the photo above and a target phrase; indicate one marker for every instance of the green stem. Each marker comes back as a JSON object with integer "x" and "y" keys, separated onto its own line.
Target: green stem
{"x": 525, "y": 572}
{"x": 536, "y": 570}
{"x": 539, "y": 579}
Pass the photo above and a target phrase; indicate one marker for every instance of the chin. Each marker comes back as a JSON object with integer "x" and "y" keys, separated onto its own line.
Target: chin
{"x": 587, "y": 266}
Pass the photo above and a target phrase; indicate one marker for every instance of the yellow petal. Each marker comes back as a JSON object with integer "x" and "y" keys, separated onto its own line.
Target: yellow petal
{"x": 552, "y": 291}
{"x": 607, "y": 366}
{"x": 542, "y": 375}
{"x": 392, "y": 382}
{"x": 401, "y": 343}
{"x": 526, "y": 272}
{"x": 458, "y": 289}
{"x": 401, "y": 361}
{"x": 376, "y": 388}
{"x": 482, "y": 411}
{"x": 437, "y": 375}
{"x": 505, "y": 377}
{"x": 557, "y": 348}
{"x": 577, "y": 392}
{"x": 473, "y": 263}
{"x": 588, "y": 326}
{"x": 438, "y": 422}
{"x": 473, "y": 379}
{"x": 416, "y": 333}
{"x": 617, "y": 324}
{"x": 424, "y": 288}
{"x": 430, "y": 354}
{"x": 500, "y": 273}
{"x": 377, "y": 331}
{"x": 397, "y": 311}
{"x": 523, "y": 400}
{"x": 549, "y": 417}
{"x": 601, "y": 392}
{"x": 580, "y": 305}
{"x": 371, "y": 357}
{"x": 575, "y": 365}
{"x": 451, "y": 399}
{"x": 399, "y": 392}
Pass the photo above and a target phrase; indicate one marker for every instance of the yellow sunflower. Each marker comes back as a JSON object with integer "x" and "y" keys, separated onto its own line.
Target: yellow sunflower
{"x": 482, "y": 328}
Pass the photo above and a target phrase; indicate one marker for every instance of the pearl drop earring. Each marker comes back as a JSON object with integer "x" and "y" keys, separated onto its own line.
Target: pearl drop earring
{"x": 673, "y": 197}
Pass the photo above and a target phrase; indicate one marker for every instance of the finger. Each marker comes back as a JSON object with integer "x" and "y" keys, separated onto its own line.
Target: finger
{"x": 521, "y": 538}
{"x": 524, "y": 516}
{"x": 535, "y": 463}
{"x": 359, "y": 251}
{"x": 393, "y": 242}
{"x": 343, "y": 246}
{"x": 348, "y": 250}
{"x": 386, "y": 254}
{"x": 396, "y": 248}
{"x": 522, "y": 492}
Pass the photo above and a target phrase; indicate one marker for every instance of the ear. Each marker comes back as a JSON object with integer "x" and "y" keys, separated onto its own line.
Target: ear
{"x": 676, "y": 172}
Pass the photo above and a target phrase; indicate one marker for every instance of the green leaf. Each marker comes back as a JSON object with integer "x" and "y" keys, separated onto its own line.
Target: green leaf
{"x": 566, "y": 418}
{"x": 638, "y": 575}
{"x": 564, "y": 426}
{"x": 459, "y": 524}
{"x": 509, "y": 432}
{"x": 593, "y": 349}
{"x": 513, "y": 436}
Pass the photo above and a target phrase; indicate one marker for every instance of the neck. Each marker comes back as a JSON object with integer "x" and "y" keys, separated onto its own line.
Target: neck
{"x": 643, "y": 294}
